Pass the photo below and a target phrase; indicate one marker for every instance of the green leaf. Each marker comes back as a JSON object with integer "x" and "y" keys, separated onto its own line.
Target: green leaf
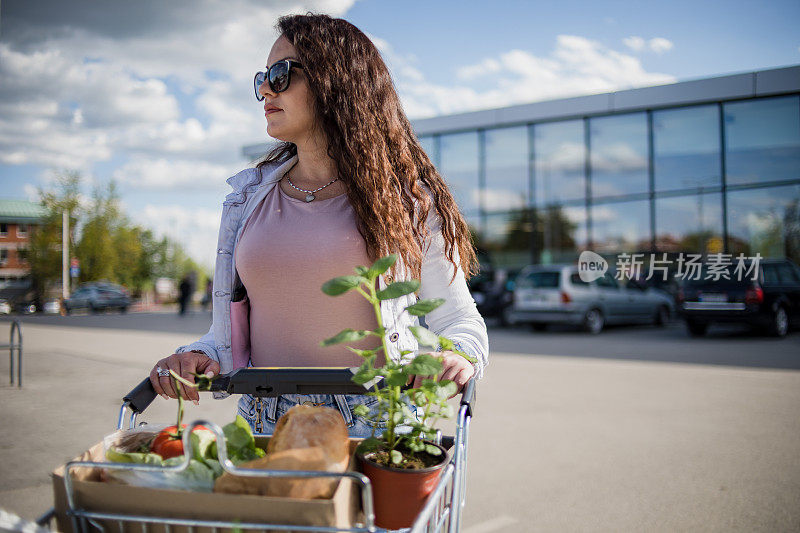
{"x": 340, "y": 285}
{"x": 397, "y": 457}
{"x": 370, "y": 444}
{"x": 361, "y": 271}
{"x": 197, "y": 476}
{"x": 364, "y": 376}
{"x": 346, "y": 335}
{"x": 239, "y": 441}
{"x": 406, "y": 352}
{"x": 381, "y": 265}
{"x": 361, "y": 410}
{"x": 362, "y": 353}
{"x": 215, "y": 467}
{"x": 423, "y": 307}
{"x": 424, "y": 365}
{"x": 425, "y": 336}
{"x": 202, "y": 444}
{"x": 141, "y": 458}
{"x": 416, "y": 445}
{"x": 446, "y": 343}
{"x": 396, "y": 379}
{"x": 433, "y": 450}
{"x": 397, "y": 289}
{"x": 446, "y": 389}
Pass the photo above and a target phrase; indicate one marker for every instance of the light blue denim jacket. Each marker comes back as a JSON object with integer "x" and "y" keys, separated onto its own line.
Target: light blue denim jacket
{"x": 457, "y": 319}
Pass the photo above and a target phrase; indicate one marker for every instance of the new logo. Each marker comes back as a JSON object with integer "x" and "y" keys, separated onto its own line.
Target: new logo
{"x": 591, "y": 266}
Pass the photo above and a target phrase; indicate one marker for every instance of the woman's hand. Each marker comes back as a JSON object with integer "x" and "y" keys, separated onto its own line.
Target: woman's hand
{"x": 454, "y": 367}
{"x": 183, "y": 364}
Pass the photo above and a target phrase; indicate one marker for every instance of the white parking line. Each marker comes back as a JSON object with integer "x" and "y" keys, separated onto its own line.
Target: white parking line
{"x": 495, "y": 524}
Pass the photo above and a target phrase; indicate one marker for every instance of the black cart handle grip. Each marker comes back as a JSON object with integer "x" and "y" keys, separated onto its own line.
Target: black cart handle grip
{"x": 140, "y": 397}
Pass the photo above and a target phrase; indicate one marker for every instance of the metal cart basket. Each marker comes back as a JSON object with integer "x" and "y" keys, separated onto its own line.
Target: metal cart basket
{"x": 442, "y": 511}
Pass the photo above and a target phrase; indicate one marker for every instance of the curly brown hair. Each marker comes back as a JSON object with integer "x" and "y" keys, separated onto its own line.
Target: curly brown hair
{"x": 377, "y": 154}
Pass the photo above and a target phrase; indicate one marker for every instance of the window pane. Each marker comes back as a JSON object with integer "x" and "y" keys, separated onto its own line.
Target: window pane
{"x": 575, "y": 279}
{"x": 621, "y": 227}
{"x": 765, "y": 221}
{"x": 762, "y": 139}
{"x": 506, "y": 169}
{"x": 459, "y": 167}
{"x": 689, "y": 224}
{"x": 686, "y": 148}
{"x": 507, "y": 238}
{"x": 540, "y": 280}
{"x": 560, "y": 161}
{"x": 428, "y": 144}
{"x": 787, "y": 274}
{"x": 562, "y": 233}
{"x": 619, "y": 155}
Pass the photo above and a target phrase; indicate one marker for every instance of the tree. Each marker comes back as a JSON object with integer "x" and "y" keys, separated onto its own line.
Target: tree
{"x": 109, "y": 248}
{"x": 44, "y": 251}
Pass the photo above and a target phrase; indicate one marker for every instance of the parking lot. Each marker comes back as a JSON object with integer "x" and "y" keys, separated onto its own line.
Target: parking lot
{"x": 637, "y": 428}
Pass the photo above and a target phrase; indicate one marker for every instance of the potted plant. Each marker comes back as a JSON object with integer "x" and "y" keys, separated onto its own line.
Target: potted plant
{"x": 402, "y": 462}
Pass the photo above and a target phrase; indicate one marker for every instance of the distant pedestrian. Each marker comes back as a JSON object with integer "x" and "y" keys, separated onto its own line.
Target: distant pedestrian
{"x": 207, "y": 296}
{"x": 185, "y": 289}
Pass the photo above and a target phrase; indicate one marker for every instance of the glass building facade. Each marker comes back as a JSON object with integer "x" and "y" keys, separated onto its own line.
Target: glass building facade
{"x": 703, "y": 175}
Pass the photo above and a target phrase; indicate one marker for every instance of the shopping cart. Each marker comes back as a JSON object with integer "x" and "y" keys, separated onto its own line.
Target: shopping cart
{"x": 442, "y": 511}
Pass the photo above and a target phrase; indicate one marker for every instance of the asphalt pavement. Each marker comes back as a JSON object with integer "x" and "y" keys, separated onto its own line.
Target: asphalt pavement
{"x": 637, "y": 429}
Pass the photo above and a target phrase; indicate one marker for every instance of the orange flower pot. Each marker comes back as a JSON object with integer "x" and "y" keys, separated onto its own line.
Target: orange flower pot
{"x": 399, "y": 495}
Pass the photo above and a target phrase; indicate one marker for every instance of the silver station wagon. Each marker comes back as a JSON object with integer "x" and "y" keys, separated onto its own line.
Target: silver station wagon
{"x": 555, "y": 294}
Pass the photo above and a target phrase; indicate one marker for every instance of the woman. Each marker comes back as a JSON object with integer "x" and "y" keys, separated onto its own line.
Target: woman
{"x": 348, "y": 184}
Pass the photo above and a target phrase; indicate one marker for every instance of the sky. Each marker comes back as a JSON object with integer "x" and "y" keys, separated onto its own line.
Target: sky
{"x": 158, "y": 96}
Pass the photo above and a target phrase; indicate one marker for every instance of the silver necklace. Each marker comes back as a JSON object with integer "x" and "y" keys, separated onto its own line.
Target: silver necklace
{"x": 310, "y": 194}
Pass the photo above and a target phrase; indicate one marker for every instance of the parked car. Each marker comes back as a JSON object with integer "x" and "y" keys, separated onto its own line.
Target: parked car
{"x": 98, "y": 297}
{"x": 52, "y": 307}
{"x": 493, "y": 295}
{"x": 770, "y": 302}
{"x": 555, "y": 294}
{"x": 19, "y": 297}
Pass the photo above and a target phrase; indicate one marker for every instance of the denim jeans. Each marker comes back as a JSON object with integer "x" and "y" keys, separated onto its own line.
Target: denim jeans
{"x": 263, "y": 413}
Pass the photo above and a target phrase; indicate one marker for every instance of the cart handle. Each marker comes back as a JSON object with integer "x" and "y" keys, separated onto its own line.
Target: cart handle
{"x": 140, "y": 397}
{"x": 468, "y": 397}
{"x": 143, "y": 394}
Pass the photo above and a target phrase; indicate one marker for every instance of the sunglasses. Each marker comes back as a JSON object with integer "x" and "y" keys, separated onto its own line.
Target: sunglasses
{"x": 278, "y": 75}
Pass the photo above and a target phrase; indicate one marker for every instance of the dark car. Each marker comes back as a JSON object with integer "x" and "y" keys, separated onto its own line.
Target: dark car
{"x": 492, "y": 294}
{"x": 98, "y": 297}
{"x": 770, "y": 302}
{"x": 18, "y": 296}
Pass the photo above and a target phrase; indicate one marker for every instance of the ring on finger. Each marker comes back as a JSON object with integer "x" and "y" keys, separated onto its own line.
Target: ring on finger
{"x": 162, "y": 372}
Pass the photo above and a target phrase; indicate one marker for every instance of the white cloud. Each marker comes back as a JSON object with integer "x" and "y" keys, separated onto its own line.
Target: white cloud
{"x": 195, "y": 228}
{"x": 170, "y": 174}
{"x": 576, "y": 66}
{"x": 165, "y": 87}
{"x": 635, "y": 43}
{"x": 76, "y": 92}
{"x": 499, "y": 199}
{"x": 659, "y": 45}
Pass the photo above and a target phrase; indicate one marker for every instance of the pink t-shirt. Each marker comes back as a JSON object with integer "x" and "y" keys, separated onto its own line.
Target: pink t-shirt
{"x": 287, "y": 250}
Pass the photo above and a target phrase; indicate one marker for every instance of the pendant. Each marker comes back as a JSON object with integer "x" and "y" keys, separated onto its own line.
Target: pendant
{"x": 310, "y": 197}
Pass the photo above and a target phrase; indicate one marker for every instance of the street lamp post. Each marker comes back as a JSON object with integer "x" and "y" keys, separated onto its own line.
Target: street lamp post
{"x": 65, "y": 254}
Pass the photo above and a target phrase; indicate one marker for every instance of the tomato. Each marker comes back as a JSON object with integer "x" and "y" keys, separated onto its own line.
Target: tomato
{"x": 167, "y": 444}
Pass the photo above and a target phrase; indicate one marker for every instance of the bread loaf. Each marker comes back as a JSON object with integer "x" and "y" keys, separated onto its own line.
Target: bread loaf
{"x": 305, "y": 438}
{"x": 303, "y": 427}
